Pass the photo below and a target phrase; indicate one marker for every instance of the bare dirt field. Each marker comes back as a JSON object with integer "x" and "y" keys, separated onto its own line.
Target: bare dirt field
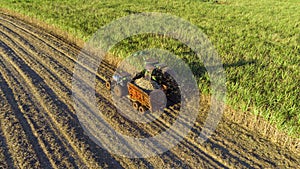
{"x": 39, "y": 127}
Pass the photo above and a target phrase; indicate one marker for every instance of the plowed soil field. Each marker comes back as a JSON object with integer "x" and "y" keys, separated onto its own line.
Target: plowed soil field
{"x": 39, "y": 127}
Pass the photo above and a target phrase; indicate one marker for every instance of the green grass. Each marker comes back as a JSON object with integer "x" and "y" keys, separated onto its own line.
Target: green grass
{"x": 257, "y": 40}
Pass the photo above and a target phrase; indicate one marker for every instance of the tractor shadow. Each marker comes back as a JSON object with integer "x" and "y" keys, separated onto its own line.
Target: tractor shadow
{"x": 200, "y": 71}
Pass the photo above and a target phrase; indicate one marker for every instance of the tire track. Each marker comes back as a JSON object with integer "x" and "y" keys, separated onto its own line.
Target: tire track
{"x": 216, "y": 148}
{"x": 20, "y": 133}
{"x": 36, "y": 64}
{"x": 69, "y": 51}
{"x": 49, "y": 79}
{"x": 58, "y": 147}
{"x": 194, "y": 148}
{"x": 6, "y": 160}
{"x": 59, "y": 64}
{"x": 31, "y": 47}
{"x": 57, "y": 55}
{"x": 55, "y": 78}
{"x": 208, "y": 158}
{"x": 48, "y": 137}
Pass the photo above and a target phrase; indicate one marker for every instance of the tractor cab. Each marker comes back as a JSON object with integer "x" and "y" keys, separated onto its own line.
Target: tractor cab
{"x": 119, "y": 78}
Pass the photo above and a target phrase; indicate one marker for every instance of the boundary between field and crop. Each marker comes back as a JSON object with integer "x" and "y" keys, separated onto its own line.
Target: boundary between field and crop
{"x": 254, "y": 123}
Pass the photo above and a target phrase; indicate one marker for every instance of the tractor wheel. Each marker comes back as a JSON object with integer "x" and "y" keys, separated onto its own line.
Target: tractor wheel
{"x": 158, "y": 100}
{"x": 142, "y": 109}
{"x": 107, "y": 85}
{"x": 119, "y": 91}
{"x": 135, "y": 105}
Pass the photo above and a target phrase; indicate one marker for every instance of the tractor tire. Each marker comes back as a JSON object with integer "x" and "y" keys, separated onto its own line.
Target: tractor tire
{"x": 108, "y": 85}
{"x": 158, "y": 100}
{"x": 119, "y": 91}
{"x": 142, "y": 109}
{"x": 135, "y": 105}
